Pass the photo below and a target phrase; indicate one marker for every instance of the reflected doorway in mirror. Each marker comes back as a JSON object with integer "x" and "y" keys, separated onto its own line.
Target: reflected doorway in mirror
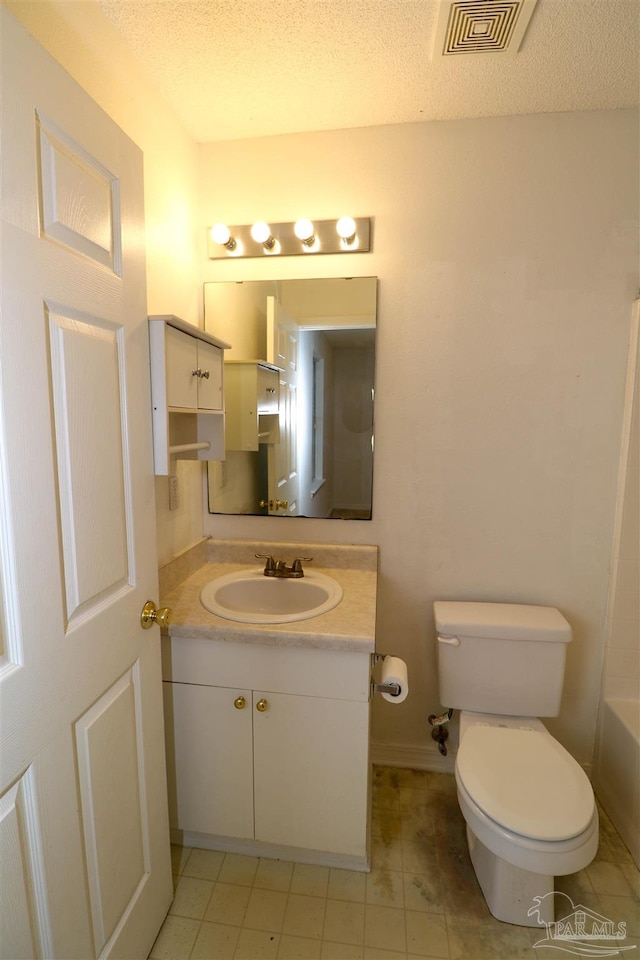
{"x": 320, "y": 335}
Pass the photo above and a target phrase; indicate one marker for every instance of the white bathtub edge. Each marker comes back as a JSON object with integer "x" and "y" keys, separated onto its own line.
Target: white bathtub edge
{"x": 616, "y": 772}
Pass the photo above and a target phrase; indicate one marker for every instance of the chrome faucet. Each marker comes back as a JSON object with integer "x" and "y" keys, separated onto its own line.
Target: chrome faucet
{"x": 278, "y": 568}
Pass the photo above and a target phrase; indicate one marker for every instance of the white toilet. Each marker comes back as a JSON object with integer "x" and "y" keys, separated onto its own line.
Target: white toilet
{"x": 529, "y": 806}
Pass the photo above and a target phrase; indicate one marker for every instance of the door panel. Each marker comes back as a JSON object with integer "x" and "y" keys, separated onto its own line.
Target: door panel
{"x": 23, "y": 934}
{"x": 109, "y": 749}
{"x": 283, "y": 334}
{"x": 95, "y": 501}
{"x": 80, "y": 199}
{"x": 82, "y": 773}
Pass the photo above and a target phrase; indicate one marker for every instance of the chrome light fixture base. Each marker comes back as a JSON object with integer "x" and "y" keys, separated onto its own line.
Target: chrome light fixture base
{"x": 285, "y": 242}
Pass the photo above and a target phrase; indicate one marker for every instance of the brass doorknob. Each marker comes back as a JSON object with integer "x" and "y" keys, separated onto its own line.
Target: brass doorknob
{"x": 262, "y": 705}
{"x": 152, "y": 614}
{"x": 239, "y": 703}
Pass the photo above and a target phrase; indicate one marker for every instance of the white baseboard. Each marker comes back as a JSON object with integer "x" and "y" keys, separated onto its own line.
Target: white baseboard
{"x": 411, "y": 756}
{"x": 272, "y": 851}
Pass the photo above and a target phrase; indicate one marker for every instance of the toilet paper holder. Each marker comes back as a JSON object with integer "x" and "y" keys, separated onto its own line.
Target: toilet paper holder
{"x": 391, "y": 688}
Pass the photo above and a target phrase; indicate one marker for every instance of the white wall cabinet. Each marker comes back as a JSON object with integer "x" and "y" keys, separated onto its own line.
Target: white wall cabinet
{"x": 283, "y": 767}
{"x": 187, "y": 392}
{"x": 253, "y": 395}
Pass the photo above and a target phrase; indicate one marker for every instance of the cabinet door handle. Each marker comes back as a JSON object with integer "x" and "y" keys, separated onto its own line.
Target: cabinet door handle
{"x": 196, "y": 373}
{"x": 262, "y": 705}
{"x": 239, "y": 703}
{"x": 205, "y": 374}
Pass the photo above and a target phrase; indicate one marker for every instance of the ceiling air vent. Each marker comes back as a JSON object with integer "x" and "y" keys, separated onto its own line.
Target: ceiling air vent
{"x": 481, "y": 26}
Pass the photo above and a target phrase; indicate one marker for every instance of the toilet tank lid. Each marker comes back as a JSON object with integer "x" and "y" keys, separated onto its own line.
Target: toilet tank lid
{"x": 514, "y": 621}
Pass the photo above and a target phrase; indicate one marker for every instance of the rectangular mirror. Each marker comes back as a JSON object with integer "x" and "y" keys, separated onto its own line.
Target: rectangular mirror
{"x": 299, "y": 397}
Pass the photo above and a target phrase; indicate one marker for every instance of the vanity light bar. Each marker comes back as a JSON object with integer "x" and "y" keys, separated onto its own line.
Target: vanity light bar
{"x": 345, "y": 235}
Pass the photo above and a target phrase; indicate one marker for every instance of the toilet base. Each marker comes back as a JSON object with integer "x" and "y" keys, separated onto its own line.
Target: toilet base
{"x": 509, "y": 890}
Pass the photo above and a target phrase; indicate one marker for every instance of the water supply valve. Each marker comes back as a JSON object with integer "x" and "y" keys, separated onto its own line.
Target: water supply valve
{"x": 439, "y": 731}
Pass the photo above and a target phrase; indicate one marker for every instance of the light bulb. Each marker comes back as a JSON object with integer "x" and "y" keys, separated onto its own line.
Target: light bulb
{"x": 346, "y": 229}
{"x": 304, "y": 231}
{"x": 261, "y": 233}
{"x": 221, "y": 234}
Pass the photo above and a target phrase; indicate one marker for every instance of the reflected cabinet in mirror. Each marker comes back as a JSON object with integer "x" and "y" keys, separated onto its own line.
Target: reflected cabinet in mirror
{"x": 299, "y": 393}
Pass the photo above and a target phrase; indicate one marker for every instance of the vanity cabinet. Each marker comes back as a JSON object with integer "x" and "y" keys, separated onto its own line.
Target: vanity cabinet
{"x": 281, "y": 767}
{"x": 187, "y": 393}
{"x": 253, "y": 396}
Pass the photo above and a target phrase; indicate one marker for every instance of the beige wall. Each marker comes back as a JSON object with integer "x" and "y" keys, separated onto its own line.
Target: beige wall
{"x": 507, "y": 256}
{"x": 507, "y": 252}
{"x": 91, "y": 50}
{"x": 622, "y": 663}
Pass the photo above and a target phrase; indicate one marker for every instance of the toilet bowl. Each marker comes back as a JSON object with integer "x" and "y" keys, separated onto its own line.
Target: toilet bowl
{"x": 529, "y": 809}
{"x": 528, "y": 805}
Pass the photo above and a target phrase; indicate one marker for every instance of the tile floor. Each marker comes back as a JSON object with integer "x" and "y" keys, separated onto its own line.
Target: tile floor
{"x": 421, "y": 898}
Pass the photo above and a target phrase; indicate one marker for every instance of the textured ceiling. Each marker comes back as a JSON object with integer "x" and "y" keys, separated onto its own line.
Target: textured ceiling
{"x": 250, "y": 68}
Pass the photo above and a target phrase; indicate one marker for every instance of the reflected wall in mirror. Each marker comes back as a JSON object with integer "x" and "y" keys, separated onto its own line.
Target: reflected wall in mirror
{"x": 2, "y": 631}
{"x": 299, "y": 396}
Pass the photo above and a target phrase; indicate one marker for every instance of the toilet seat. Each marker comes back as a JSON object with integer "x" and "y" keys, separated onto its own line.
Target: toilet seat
{"x": 551, "y": 857}
{"x": 525, "y": 781}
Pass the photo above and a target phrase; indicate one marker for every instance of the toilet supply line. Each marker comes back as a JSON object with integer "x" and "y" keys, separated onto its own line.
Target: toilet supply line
{"x": 439, "y": 732}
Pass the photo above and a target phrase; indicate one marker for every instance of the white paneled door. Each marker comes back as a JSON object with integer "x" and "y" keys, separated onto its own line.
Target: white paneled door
{"x": 283, "y": 340}
{"x": 84, "y": 858}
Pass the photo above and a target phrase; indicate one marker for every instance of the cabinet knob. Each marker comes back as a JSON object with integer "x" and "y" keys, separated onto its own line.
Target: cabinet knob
{"x": 196, "y": 373}
{"x": 262, "y": 706}
{"x": 204, "y": 374}
{"x": 239, "y": 703}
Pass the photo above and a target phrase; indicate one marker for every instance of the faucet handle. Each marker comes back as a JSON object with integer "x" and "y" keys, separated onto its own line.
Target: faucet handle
{"x": 296, "y": 566}
{"x": 270, "y": 564}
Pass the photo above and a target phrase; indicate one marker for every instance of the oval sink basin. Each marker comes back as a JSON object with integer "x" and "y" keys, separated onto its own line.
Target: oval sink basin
{"x": 250, "y": 597}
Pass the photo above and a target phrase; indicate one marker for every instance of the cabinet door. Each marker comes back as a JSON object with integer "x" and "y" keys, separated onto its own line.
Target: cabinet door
{"x": 311, "y": 772}
{"x": 268, "y": 390}
{"x": 209, "y": 759}
{"x": 210, "y": 380}
{"x": 182, "y": 363}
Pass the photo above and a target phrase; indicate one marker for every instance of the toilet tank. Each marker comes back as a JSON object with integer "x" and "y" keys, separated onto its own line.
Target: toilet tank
{"x": 504, "y": 658}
